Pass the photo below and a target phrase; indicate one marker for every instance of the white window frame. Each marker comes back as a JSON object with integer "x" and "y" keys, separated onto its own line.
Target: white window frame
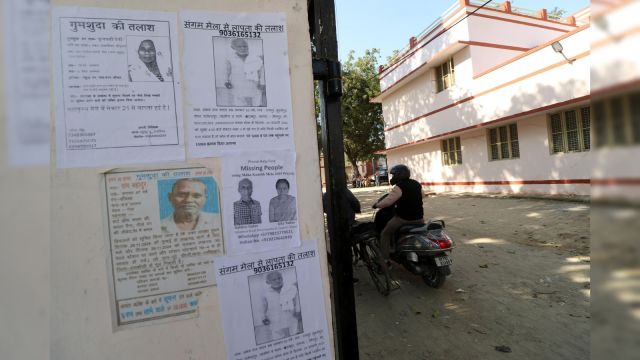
{"x": 447, "y": 153}
{"x": 445, "y": 79}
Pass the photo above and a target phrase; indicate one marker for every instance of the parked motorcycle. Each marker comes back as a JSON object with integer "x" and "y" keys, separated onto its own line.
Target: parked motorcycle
{"x": 423, "y": 249}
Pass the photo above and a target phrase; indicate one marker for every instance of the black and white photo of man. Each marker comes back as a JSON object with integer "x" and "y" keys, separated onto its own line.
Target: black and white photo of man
{"x": 246, "y": 211}
{"x": 240, "y": 75}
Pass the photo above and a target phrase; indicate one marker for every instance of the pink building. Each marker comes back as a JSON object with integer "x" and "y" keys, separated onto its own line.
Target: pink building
{"x": 493, "y": 99}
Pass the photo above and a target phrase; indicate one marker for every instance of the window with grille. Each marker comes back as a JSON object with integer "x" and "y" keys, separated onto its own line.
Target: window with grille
{"x": 445, "y": 75}
{"x": 503, "y": 142}
{"x": 451, "y": 151}
{"x": 616, "y": 120}
{"x": 570, "y": 130}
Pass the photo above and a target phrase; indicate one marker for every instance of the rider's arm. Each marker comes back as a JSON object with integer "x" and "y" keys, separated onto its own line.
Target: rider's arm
{"x": 391, "y": 199}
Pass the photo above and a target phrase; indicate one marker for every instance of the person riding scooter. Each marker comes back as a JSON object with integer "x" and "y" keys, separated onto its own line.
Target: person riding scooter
{"x": 406, "y": 195}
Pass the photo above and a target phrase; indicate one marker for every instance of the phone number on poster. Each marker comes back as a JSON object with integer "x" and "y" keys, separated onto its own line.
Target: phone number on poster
{"x": 278, "y": 266}
{"x": 243, "y": 34}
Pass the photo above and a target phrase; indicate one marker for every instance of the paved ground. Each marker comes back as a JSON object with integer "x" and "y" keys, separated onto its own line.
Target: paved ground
{"x": 520, "y": 279}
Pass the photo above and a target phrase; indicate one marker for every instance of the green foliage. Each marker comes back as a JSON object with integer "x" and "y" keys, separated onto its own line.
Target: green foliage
{"x": 393, "y": 55}
{"x": 363, "y": 124}
{"x": 556, "y": 13}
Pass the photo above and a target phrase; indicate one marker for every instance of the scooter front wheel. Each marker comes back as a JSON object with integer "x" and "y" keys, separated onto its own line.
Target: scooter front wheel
{"x": 377, "y": 267}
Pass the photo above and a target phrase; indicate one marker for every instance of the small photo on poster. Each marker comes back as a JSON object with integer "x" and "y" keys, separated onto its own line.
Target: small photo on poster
{"x": 282, "y": 207}
{"x": 188, "y": 204}
{"x": 275, "y": 305}
{"x": 239, "y": 72}
{"x": 149, "y": 59}
{"x": 246, "y": 210}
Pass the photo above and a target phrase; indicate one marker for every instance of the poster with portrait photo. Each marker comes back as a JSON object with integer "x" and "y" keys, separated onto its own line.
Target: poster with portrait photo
{"x": 237, "y": 82}
{"x": 260, "y": 209}
{"x": 239, "y": 72}
{"x": 164, "y": 230}
{"x": 117, "y": 87}
{"x": 272, "y": 304}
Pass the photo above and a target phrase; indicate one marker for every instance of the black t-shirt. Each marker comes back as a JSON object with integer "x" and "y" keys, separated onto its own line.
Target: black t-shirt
{"x": 409, "y": 206}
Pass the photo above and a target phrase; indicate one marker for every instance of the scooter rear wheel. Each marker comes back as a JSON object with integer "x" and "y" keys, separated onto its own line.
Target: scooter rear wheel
{"x": 377, "y": 267}
{"x": 435, "y": 278}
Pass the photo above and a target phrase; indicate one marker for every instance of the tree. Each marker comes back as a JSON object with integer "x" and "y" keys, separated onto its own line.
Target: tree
{"x": 363, "y": 124}
{"x": 556, "y": 13}
{"x": 393, "y": 56}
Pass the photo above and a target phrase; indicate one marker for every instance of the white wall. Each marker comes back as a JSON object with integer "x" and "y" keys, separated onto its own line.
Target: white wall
{"x": 80, "y": 317}
{"x": 485, "y": 58}
{"x": 24, "y": 246}
{"x": 510, "y": 33}
{"x": 535, "y": 163}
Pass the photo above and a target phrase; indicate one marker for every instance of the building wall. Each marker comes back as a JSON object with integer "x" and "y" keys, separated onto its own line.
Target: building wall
{"x": 487, "y": 26}
{"x": 540, "y": 79}
{"x": 536, "y": 164}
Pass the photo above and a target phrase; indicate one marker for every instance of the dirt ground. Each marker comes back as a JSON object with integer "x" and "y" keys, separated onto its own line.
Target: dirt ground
{"x": 520, "y": 279}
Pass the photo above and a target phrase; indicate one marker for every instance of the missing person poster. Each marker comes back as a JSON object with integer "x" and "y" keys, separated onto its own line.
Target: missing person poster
{"x": 237, "y": 82}
{"x": 117, "y": 87}
{"x": 260, "y": 205}
{"x": 272, "y": 305}
{"x": 164, "y": 232}
{"x": 26, "y": 51}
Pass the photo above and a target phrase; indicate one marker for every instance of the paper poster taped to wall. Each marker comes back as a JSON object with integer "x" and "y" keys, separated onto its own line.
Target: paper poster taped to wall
{"x": 260, "y": 201}
{"x": 26, "y": 49}
{"x": 237, "y": 82}
{"x": 164, "y": 230}
{"x": 117, "y": 83}
{"x": 272, "y": 305}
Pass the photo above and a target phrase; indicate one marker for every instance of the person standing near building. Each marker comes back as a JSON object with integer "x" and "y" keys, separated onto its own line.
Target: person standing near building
{"x": 406, "y": 195}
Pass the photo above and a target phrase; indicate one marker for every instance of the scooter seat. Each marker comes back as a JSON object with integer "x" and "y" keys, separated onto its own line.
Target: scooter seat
{"x": 412, "y": 228}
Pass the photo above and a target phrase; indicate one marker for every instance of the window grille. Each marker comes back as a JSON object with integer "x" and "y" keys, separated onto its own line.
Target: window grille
{"x": 569, "y": 131}
{"x": 503, "y": 142}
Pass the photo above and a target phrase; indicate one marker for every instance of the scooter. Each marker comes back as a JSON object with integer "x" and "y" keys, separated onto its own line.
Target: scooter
{"x": 423, "y": 249}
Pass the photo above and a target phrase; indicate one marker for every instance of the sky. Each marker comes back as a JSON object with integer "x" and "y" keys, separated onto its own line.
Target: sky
{"x": 388, "y": 25}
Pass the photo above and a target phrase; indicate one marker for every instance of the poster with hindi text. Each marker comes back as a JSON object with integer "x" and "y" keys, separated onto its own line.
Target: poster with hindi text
{"x": 164, "y": 230}
{"x": 260, "y": 205}
{"x": 117, "y": 87}
{"x": 237, "y": 82}
{"x": 272, "y": 305}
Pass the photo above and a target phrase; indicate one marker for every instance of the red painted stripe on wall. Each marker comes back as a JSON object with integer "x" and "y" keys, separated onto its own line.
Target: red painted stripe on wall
{"x": 616, "y": 182}
{"x": 593, "y": 182}
{"x": 509, "y": 182}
